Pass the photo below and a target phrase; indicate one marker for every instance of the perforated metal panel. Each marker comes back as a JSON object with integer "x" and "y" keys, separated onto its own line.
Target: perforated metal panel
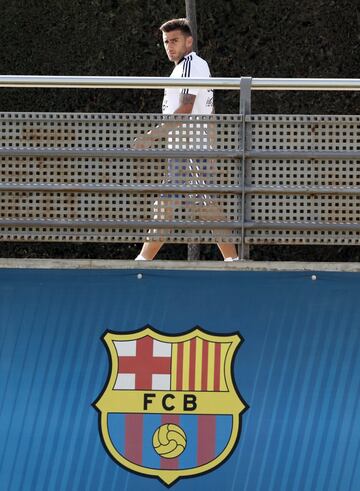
{"x": 76, "y": 177}
{"x": 73, "y": 194}
{"x": 318, "y": 194}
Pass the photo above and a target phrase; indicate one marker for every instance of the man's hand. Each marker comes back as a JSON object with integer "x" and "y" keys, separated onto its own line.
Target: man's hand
{"x": 142, "y": 142}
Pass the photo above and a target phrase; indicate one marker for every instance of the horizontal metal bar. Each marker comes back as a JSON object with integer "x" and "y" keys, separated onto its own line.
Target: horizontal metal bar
{"x": 303, "y": 226}
{"x": 153, "y": 224}
{"x": 125, "y": 153}
{"x": 305, "y": 84}
{"x": 168, "y": 188}
{"x": 148, "y": 224}
{"x": 221, "y": 83}
{"x": 303, "y": 190}
{"x": 70, "y": 82}
{"x": 117, "y": 188}
{"x": 303, "y": 154}
{"x": 159, "y": 153}
{"x": 72, "y": 119}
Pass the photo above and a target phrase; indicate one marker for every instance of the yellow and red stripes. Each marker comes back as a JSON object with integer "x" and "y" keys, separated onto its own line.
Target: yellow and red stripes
{"x": 199, "y": 365}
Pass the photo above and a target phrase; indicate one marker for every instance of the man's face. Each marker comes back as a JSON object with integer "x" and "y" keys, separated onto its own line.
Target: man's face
{"x": 177, "y": 45}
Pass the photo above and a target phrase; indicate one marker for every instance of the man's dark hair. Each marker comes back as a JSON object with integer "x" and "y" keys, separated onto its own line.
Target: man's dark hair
{"x": 182, "y": 25}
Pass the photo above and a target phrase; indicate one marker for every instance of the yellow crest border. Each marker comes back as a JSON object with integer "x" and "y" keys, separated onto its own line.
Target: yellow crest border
{"x": 235, "y": 408}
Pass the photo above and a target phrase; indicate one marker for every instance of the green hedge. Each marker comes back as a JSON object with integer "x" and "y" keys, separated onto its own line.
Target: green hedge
{"x": 259, "y": 38}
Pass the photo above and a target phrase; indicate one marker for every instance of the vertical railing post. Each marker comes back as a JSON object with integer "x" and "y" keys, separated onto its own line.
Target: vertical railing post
{"x": 245, "y": 110}
{"x": 190, "y": 5}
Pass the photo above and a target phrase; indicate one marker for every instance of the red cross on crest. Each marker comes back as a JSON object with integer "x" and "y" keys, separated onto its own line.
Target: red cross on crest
{"x": 148, "y": 366}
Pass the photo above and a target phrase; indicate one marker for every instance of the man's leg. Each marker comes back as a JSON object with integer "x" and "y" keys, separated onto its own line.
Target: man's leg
{"x": 149, "y": 251}
{"x": 228, "y": 251}
{"x": 163, "y": 210}
{"x": 212, "y": 211}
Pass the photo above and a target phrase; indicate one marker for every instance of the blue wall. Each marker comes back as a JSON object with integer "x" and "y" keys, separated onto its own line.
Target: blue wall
{"x": 298, "y": 369}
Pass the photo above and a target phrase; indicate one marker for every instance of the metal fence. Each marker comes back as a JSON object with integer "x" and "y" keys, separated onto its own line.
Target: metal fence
{"x": 242, "y": 178}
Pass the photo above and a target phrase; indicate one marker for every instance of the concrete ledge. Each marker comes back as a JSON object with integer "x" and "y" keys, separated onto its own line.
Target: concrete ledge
{"x": 12, "y": 263}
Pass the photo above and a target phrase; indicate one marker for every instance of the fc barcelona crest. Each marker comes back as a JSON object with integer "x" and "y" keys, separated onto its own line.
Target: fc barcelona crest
{"x": 170, "y": 408}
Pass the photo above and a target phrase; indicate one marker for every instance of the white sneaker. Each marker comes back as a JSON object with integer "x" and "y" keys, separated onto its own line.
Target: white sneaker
{"x": 231, "y": 259}
{"x": 140, "y": 258}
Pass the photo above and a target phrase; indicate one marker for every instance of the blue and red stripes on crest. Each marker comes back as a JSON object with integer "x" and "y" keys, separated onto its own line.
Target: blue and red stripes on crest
{"x": 206, "y": 438}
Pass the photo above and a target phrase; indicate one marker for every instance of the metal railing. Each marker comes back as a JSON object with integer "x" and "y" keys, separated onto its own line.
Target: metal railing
{"x": 277, "y": 178}
{"x": 217, "y": 83}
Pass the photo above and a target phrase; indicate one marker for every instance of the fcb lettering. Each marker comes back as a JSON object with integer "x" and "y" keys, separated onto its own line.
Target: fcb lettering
{"x": 189, "y": 401}
{"x": 170, "y": 408}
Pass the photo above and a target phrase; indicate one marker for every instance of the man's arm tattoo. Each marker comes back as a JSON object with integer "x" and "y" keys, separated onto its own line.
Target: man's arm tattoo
{"x": 187, "y": 98}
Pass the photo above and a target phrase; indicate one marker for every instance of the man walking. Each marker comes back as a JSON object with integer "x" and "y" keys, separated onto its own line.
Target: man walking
{"x": 178, "y": 41}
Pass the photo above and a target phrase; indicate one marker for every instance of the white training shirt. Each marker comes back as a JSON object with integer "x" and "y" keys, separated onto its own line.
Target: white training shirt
{"x": 191, "y": 66}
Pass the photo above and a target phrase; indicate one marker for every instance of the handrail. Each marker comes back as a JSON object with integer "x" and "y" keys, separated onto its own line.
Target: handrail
{"x": 218, "y": 83}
